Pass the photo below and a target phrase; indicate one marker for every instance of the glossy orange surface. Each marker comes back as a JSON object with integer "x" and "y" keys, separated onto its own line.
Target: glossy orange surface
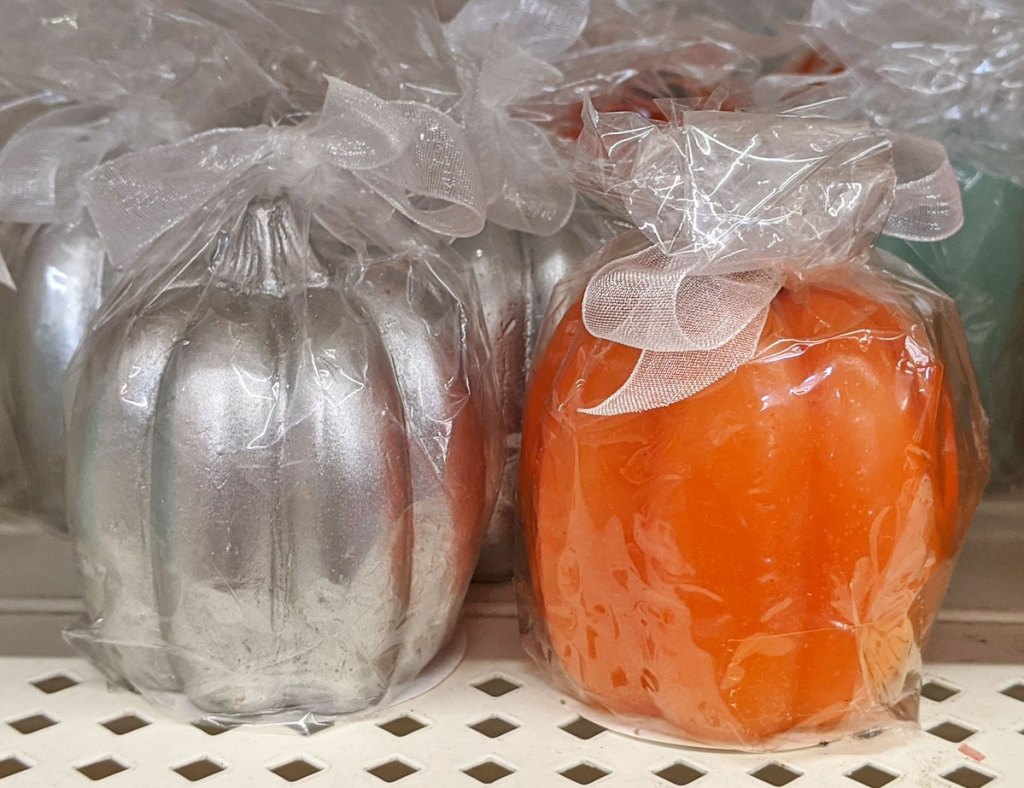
{"x": 762, "y": 559}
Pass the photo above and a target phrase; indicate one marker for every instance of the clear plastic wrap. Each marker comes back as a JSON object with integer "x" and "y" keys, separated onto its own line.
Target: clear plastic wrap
{"x": 982, "y": 268}
{"x": 626, "y": 63}
{"x": 395, "y": 48}
{"x": 281, "y": 454}
{"x": 129, "y": 75}
{"x": 528, "y": 191}
{"x": 757, "y": 17}
{"x": 112, "y": 51}
{"x": 752, "y": 445}
{"x": 558, "y": 52}
{"x": 953, "y": 71}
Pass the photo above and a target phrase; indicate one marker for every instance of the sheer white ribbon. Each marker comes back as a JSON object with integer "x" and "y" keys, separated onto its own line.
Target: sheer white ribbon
{"x": 732, "y": 204}
{"x": 41, "y": 163}
{"x": 502, "y": 54}
{"x": 409, "y": 155}
{"x": 15, "y": 112}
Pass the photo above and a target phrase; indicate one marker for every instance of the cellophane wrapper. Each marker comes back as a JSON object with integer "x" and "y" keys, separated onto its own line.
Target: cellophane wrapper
{"x": 541, "y": 115}
{"x": 952, "y": 71}
{"x": 118, "y": 75}
{"x": 755, "y": 566}
{"x": 281, "y": 454}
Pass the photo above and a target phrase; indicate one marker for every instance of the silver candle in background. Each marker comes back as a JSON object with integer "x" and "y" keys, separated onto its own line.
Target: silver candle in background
{"x": 60, "y": 283}
{"x": 503, "y": 282}
{"x": 516, "y": 274}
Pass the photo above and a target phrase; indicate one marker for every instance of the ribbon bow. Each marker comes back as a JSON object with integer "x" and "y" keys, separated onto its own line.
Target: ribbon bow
{"x": 41, "y": 163}
{"x": 502, "y": 53}
{"x": 139, "y": 74}
{"x": 360, "y": 146}
{"x": 730, "y": 204}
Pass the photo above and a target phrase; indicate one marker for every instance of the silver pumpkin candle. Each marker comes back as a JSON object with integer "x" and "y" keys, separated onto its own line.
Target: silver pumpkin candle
{"x": 60, "y": 285}
{"x": 277, "y": 480}
{"x": 502, "y": 278}
{"x": 516, "y": 274}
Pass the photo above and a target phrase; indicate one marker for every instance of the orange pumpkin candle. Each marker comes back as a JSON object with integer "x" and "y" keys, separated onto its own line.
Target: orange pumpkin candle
{"x": 749, "y": 561}
{"x": 756, "y": 564}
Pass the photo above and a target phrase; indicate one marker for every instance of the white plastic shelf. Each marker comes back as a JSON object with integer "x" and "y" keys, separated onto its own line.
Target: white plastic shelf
{"x": 496, "y": 720}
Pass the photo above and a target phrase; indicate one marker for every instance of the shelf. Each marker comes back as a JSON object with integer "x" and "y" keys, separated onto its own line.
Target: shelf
{"x": 521, "y": 732}
{"x": 522, "y": 729}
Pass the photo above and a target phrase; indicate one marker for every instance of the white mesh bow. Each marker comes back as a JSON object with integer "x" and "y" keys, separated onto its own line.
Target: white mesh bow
{"x": 502, "y": 53}
{"x": 360, "y": 153}
{"x": 141, "y": 74}
{"x": 732, "y": 204}
{"x": 41, "y": 164}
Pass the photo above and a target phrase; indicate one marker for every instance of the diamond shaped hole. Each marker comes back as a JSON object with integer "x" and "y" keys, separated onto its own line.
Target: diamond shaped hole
{"x": 199, "y": 770}
{"x": 126, "y": 723}
{"x": 950, "y": 731}
{"x": 584, "y": 773}
{"x": 11, "y": 766}
{"x": 402, "y": 726}
{"x": 101, "y": 770}
{"x": 776, "y": 774}
{"x": 497, "y": 686}
{"x": 680, "y": 773}
{"x": 1016, "y": 691}
{"x": 871, "y": 776}
{"x": 393, "y": 771}
{"x": 36, "y": 722}
{"x": 488, "y": 772}
{"x": 210, "y": 728}
{"x": 937, "y": 691}
{"x": 582, "y": 728}
{"x": 296, "y": 770}
{"x": 55, "y": 683}
{"x": 967, "y": 777}
{"x": 493, "y": 727}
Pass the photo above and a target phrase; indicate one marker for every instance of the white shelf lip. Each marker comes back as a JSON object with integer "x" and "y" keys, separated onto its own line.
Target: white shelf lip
{"x": 976, "y": 653}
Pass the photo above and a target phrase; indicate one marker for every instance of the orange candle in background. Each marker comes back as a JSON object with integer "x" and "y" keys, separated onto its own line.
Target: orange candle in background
{"x": 638, "y": 94}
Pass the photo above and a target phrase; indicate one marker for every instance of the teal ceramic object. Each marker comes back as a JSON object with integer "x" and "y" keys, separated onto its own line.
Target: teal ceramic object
{"x": 982, "y": 268}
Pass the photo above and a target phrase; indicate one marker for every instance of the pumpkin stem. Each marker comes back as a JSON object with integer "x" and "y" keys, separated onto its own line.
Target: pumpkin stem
{"x": 267, "y": 251}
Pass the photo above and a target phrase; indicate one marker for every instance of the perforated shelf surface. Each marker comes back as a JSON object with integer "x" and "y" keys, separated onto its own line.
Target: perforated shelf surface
{"x": 494, "y": 721}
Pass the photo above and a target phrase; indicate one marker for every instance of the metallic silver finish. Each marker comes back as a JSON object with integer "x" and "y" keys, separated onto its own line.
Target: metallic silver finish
{"x": 115, "y": 381}
{"x": 553, "y": 259}
{"x": 516, "y": 275}
{"x": 420, "y": 323}
{"x": 264, "y": 461}
{"x": 60, "y": 286}
{"x": 496, "y": 259}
